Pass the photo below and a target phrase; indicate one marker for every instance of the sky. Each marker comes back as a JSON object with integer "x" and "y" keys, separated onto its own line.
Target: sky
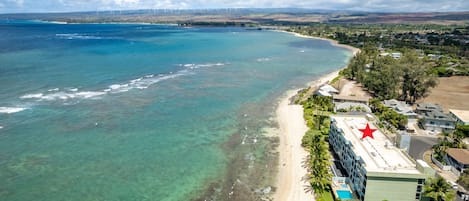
{"x": 14, "y": 6}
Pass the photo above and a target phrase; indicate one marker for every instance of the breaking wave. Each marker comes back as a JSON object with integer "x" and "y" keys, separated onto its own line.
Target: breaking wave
{"x": 10, "y": 110}
{"x": 73, "y": 93}
{"x": 196, "y": 66}
{"x": 264, "y": 59}
{"x": 77, "y": 36}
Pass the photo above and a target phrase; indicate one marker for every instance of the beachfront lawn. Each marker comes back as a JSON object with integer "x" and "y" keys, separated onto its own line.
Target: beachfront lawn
{"x": 326, "y": 196}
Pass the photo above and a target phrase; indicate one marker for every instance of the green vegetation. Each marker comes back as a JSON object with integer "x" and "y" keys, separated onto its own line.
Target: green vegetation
{"x": 388, "y": 115}
{"x": 437, "y": 189}
{"x": 443, "y": 48}
{"x": 316, "y": 110}
{"x": 352, "y": 109}
{"x": 464, "y": 179}
{"x": 450, "y": 140}
{"x": 408, "y": 78}
{"x": 326, "y": 196}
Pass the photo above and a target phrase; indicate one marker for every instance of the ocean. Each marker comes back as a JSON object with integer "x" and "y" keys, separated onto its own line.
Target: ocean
{"x": 146, "y": 112}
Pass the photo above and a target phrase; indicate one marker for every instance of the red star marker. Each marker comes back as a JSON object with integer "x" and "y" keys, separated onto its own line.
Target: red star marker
{"x": 367, "y": 132}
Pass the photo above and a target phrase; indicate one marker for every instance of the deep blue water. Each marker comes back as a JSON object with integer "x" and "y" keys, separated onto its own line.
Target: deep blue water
{"x": 142, "y": 112}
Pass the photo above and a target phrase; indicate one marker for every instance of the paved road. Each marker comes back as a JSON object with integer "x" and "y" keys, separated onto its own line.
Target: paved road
{"x": 420, "y": 144}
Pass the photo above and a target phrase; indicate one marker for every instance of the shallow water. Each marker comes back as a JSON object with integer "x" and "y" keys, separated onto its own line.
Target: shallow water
{"x": 144, "y": 112}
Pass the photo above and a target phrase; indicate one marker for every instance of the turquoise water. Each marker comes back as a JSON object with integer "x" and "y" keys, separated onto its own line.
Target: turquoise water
{"x": 344, "y": 194}
{"x": 144, "y": 112}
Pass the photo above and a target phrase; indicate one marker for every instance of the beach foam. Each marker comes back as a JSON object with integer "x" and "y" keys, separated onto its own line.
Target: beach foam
{"x": 204, "y": 65}
{"x": 144, "y": 82}
{"x": 77, "y": 36}
{"x": 10, "y": 110}
{"x": 264, "y": 59}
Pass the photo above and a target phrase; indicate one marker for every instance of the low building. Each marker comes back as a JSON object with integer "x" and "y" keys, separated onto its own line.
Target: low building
{"x": 433, "y": 119}
{"x": 458, "y": 159}
{"x": 375, "y": 169}
{"x": 401, "y": 108}
{"x": 427, "y": 107}
{"x": 326, "y": 90}
{"x": 350, "y": 99}
{"x": 437, "y": 121}
{"x": 461, "y": 116}
{"x": 396, "y": 55}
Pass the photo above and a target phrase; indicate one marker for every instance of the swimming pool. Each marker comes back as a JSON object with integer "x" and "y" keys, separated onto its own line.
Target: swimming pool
{"x": 344, "y": 194}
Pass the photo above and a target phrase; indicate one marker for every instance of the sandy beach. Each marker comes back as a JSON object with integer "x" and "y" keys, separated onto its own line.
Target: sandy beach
{"x": 291, "y": 183}
{"x": 354, "y": 50}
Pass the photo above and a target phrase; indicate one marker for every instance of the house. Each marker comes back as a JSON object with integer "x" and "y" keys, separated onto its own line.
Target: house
{"x": 437, "y": 121}
{"x": 433, "y": 119}
{"x": 375, "y": 169}
{"x": 326, "y": 90}
{"x": 434, "y": 56}
{"x": 401, "y": 108}
{"x": 351, "y": 99}
{"x": 461, "y": 116}
{"x": 458, "y": 159}
{"x": 396, "y": 55}
{"x": 427, "y": 107}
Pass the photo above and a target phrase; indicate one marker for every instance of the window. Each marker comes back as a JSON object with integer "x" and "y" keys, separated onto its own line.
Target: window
{"x": 421, "y": 181}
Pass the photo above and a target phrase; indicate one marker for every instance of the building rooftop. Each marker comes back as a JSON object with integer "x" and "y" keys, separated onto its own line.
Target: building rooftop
{"x": 428, "y": 107}
{"x": 461, "y": 155}
{"x": 351, "y": 98}
{"x": 437, "y": 115}
{"x": 329, "y": 88}
{"x": 378, "y": 154}
{"x": 326, "y": 90}
{"x": 400, "y": 107}
{"x": 463, "y": 115}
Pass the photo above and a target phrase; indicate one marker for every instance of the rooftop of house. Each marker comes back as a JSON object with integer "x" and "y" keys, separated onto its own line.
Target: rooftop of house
{"x": 399, "y": 106}
{"x": 437, "y": 115}
{"x": 463, "y": 115}
{"x": 378, "y": 154}
{"x": 328, "y": 88}
{"x": 461, "y": 155}
{"x": 428, "y": 107}
{"x": 351, "y": 98}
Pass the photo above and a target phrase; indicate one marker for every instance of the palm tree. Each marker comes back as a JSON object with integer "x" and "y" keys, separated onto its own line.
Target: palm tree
{"x": 437, "y": 189}
{"x": 318, "y": 165}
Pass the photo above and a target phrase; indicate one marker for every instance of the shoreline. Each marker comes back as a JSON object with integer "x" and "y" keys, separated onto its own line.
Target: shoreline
{"x": 290, "y": 182}
{"x": 354, "y": 50}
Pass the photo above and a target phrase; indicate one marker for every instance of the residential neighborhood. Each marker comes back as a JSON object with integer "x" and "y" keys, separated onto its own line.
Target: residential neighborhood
{"x": 358, "y": 162}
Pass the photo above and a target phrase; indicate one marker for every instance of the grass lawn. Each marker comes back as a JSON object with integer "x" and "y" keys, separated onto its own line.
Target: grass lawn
{"x": 326, "y": 196}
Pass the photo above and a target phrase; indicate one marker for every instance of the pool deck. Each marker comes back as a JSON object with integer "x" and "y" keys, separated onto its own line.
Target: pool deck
{"x": 338, "y": 183}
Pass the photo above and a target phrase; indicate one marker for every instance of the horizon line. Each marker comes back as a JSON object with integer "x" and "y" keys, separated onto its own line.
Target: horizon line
{"x": 227, "y": 8}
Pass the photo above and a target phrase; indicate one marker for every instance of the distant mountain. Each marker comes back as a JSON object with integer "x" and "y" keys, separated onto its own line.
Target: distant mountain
{"x": 269, "y": 16}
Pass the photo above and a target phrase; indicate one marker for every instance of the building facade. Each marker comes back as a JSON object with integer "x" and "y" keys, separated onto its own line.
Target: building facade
{"x": 458, "y": 159}
{"x": 432, "y": 118}
{"x": 437, "y": 121}
{"x": 461, "y": 116}
{"x": 376, "y": 170}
